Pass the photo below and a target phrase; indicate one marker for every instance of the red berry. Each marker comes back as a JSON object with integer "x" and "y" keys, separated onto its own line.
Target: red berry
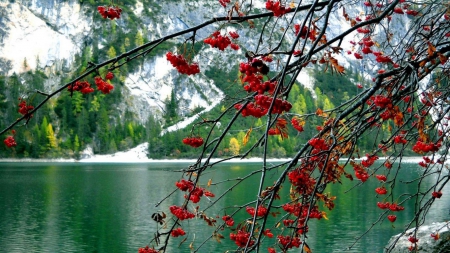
{"x": 381, "y": 190}
{"x": 228, "y": 220}
{"x": 177, "y": 232}
{"x": 10, "y": 142}
{"x": 436, "y": 194}
{"x": 413, "y": 239}
{"x": 109, "y": 76}
{"x": 392, "y": 218}
{"x": 382, "y": 178}
{"x": 181, "y": 64}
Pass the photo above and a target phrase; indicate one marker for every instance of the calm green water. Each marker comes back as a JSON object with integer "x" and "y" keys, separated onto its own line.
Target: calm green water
{"x": 60, "y": 207}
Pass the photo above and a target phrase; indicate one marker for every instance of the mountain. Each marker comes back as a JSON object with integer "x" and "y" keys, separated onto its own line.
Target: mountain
{"x": 46, "y": 43}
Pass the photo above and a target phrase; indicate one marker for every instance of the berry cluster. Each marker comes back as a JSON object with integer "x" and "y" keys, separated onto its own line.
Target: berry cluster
{"x": 224, "y": 2}
{"x": 382, "y": 58}
{"x": 304, "y": 32}
{"x": 25, "y": 109}
{"x": 318, "y": 144}
{"x": 435, "y": 236}
{"x": 399, "y": 10}
{"x": 195, "y": 195}
{"x": 253, "y": 72}
{"x": 181, "y": 213}
{"x": 366, "y": 43}
{"x": 297, "y": 124}
{"x": 208, "y": 193}
{"x": 358, "y": 56}
{"x": 181, "y": 64}
{"x": 185, "y": 185}
{"x": 370, "y": 159}
{"x": 10, "y": 142}
{"x": 102, "y": 85}
{"x": 381, "y": 101}
{"x": 393, "y": 207}
{"x": 436, "y": 195}
{"x": 381, "y": 190}
{"x": 363, "y": 30}
{"x": 251, "y": 109}
{"x": 279, "y": 105}
{"x": 388, "y": 164}
{"x": 399, "y": 139}
{"x": 109, "y": 76}
{"x": 110, "y": 12}
{"x": 217, "y": 40}
{"x": 255, "y": 84}
{"x": 288, "y": 243}
{"x": 81, "y": 86}
{"x": 147, "y": 250}
{"x": 301, "y": 211}
{"x": 241, "y": 238}
{"x": 413, "y": 239}
{"x": 301, "y": 179}
{"x": 268, "y": 233}
{"x": 392, "y": 217}
{"x": 193, "y": 141}
{"x": 386, "y": 114}
{"x": 276, "y": 7}
{"x": 262, "y": 211}
{"x": 382, "y": 178}
{"x": 255, "y": 66}
{"x": 288, "y": 222}
{"x": 422, "y": 147}
{"x": 274, "y": 131}
{"x": 360, "y": 172}
{"x": 177, "y": 232}
{"x": 228, "y": 220}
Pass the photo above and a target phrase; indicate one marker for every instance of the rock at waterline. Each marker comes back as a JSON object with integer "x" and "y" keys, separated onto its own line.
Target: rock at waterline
{"x": 426, "y": 243}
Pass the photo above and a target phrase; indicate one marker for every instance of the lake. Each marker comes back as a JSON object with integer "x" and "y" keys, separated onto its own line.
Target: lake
{"x": 79, "y": 207}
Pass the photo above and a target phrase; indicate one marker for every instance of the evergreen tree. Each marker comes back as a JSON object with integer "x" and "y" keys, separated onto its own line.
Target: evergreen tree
{"x": 111, "y": 52}
{"x": 43, "y": 138}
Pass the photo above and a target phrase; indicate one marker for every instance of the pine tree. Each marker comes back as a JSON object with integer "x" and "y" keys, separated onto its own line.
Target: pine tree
{"x": 111, "y": 52}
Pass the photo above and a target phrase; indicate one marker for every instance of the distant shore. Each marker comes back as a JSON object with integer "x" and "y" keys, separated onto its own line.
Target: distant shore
{"x": 139, "y": 154}
{"x": 113, "y": 159}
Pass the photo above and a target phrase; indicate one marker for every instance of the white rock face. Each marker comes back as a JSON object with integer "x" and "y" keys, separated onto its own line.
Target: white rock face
{"x": 45, "y": 33}
{"x": 426, "y": 242}
{"x": 154, "y": 82}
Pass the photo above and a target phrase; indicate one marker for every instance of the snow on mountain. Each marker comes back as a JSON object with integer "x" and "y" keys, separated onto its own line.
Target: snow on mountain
{"x": 137, "y": 154}
{"x": 154, "y": 83}
{"x": 49, "y": 33}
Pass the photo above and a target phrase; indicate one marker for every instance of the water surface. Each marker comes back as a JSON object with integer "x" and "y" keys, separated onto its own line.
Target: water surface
{"x": 77, "y": 207}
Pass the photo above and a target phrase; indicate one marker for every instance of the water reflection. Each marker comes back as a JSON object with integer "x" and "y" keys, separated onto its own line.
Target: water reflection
{"x": 108, "y": 208}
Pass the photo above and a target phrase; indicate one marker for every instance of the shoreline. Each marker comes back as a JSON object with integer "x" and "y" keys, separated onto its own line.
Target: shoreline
{"x": 109, "y": 160}
{"x": 139, "y": 154}
{"x": 130, "y": 160}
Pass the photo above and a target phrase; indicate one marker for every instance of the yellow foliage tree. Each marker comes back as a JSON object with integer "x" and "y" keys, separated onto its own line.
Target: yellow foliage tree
{"x": 51, "y": 136}
{"x": 234, "y": 146}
